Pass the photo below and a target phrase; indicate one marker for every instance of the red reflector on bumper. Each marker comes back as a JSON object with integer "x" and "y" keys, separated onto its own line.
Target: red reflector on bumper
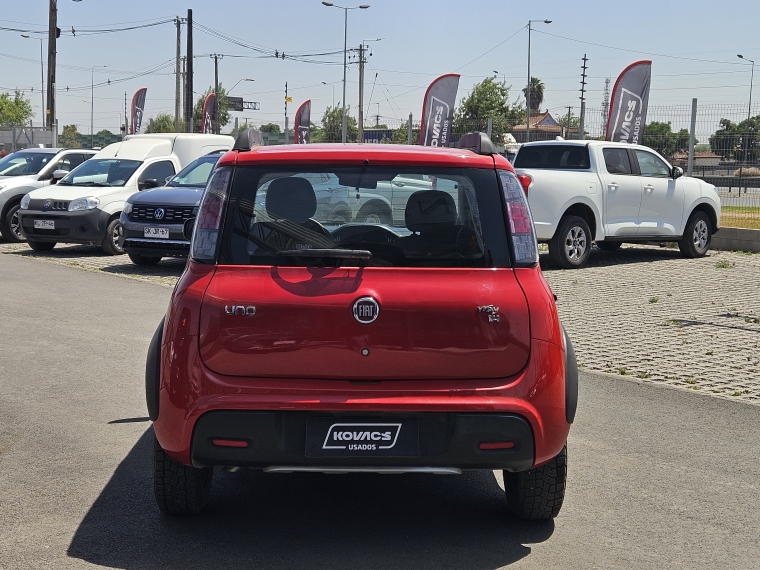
{"x": 497, "y": 445}
{"x": 229, "y": 442}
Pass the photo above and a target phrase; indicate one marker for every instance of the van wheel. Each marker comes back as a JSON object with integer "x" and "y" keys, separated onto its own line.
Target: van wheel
{"x": 11, "y": 226}
{"x": 180, "y": 489}
{"x": 696, "y": 236}
{"x": 41, "y": 245}
{"x": 372, "y": 214}
{"x": 609, "y": 245}
{"x": 570, "y": 246}
{"x": 110, "y": 243}
{"x": 537, "y": 494}
{"x": 143, "y": 260}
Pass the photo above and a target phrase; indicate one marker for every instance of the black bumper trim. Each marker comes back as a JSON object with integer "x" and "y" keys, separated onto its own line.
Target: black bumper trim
{"x": 276, "y": 438}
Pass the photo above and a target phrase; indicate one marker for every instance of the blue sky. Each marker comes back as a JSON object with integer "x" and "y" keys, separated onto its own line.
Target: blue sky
{"x": 693, "y": 46}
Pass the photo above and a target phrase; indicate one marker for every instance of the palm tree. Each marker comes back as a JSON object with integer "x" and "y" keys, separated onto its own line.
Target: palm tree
{"x": 536, "y": 94}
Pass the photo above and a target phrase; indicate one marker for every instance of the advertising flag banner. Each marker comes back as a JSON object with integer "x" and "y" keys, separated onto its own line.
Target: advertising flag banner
{"x": 438, "y": 110}
{"x": 628, "y": 106}
{"x": 209, "y": 110}
{"x": 138, "y": 106}
{"x": 302, "y": 130}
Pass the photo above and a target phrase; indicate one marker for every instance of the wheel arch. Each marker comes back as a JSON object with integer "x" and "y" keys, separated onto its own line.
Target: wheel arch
{"x": 584, "y": 210}
{"x": 709, "y": 210}
{"x": 376, "y": 202}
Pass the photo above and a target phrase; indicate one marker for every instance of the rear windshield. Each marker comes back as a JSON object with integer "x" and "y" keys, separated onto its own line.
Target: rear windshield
{"x": 365, "y": 216}
{"x": 558, "y": 157}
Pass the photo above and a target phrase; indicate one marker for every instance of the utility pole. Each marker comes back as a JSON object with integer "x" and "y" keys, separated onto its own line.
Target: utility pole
{"x": 52, "y": 36}
{"x": 362, "y": 61}
{"x": 286, "y": 112}
{"x": 184, "y": 84}
{"x": 582, "y": 123}
{"x": 189, "y": 74}
{"x": 126, "y": 117}
{"x": 377, "y": 117}
{"x": 567, "y": 132}
{"x": 606, "y": 106}
{"x": 178, "y": 21}
{"x": 216, "y": 57}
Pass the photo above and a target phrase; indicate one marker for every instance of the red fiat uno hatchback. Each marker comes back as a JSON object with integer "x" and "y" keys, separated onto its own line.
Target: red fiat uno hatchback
{"x": 363, "y": 308}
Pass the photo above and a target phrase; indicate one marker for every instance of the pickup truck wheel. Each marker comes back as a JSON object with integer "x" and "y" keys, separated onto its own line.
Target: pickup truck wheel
{"x": 180, "y": 489}
{"x": 11, "y": 226}
{"x": 143, "y": 260}
{"x": 41, "y": 245}
{"x": 571, "y": 244}
{"x": 374, "y": 215}
{"x": 696, "y": 236}
{"x": 110, "y": 243}
{"x": 537, "y": 494}
{"x": 609, "y": 245}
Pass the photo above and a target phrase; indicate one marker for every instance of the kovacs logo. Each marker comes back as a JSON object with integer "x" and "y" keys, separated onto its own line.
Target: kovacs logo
{"x": 438, "y": 122}
{"x": 361, "y": 437}
{"x": 627, "y": 127}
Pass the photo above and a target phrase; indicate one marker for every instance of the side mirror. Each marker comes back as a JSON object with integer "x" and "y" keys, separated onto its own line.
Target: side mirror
{"x": 57, "y": 175}
{"x": 149, "y": 183}
{"x": 677, "y": 172}
{"x": 187, "y": 229}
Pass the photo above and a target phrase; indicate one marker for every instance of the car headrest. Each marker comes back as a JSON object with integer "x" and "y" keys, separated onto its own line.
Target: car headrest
{"x": 291, "y": 198}
{"x": 533, "y": 158}
{"x": 430, "y": 208}
{"x": 574, "y": 158}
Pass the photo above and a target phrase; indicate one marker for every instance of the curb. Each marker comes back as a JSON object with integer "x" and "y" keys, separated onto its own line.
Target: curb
{"x": 736, "y": 239}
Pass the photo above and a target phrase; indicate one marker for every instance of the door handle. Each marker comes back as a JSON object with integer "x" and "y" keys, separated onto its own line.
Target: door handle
{"x": 649, "y": 188}
{"x": 612, "y": 186}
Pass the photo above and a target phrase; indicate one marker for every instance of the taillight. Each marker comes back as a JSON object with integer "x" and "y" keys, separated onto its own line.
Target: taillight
{"x": 520, "y": 221}
{"x": 525, "y": 180}
{"x": 210, "y": 213}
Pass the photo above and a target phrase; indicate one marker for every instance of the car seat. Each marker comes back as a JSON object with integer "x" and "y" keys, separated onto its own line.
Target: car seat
{"x": 575, "y": 159}
{"x": 431, "y": 216}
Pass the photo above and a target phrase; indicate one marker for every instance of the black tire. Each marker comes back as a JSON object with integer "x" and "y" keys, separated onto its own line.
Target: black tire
{"x": 180, "y": 489}
{"x": 537, "y": 494}
{"x": 697, "y": 236}
{"x": 110, "y": 243}
{"x": 609, "y": 245}
{"x": 372, "y": 214}
{"x": 11, "y": 225}
{"x": 41, "y": 245}
{"x": 570, "y": 246}
{"x": 143, "y": 260}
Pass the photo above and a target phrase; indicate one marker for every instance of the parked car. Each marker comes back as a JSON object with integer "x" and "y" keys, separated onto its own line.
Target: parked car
{"x": 613, "y": 193}
{"x": 152, "y": 222}
{"x": 27, "y": 170}
{"x": 430, "y": 348}
{"x": 84, "y": 207}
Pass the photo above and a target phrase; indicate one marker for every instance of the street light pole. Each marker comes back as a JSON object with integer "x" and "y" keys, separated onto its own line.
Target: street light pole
{"x": 333, "y": 92}
{"x": 345, "y": 51}
{"x": 236, "y": 84}
{"x": 42, "y": 77}
{"x": 92, "y": 103}
{"x": 749, "y": 115}
{"x": 527, "y": 90}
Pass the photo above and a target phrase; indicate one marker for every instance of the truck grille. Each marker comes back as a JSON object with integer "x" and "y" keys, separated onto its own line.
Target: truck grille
{"x": 172, "y": 214}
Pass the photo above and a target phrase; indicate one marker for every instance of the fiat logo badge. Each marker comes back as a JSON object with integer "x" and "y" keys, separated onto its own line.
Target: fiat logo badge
{"x": 46, "y": 205}
{"x": 159, "y": 214}
{"x": 366, "y": 310}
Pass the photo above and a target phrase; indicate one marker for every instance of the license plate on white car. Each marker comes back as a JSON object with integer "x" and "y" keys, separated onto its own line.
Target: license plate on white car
{"x": 44, "y": 224}
{"x": 160, "y": 233}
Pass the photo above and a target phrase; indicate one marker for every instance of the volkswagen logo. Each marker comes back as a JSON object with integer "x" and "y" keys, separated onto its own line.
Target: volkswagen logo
{"x": 366, "y": 310}
{"x": 159, "y": 214}
{"x": 46, "y": 205}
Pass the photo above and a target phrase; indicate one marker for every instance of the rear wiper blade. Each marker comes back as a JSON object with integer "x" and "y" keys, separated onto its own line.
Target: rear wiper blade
{"x": 334, "y": 253}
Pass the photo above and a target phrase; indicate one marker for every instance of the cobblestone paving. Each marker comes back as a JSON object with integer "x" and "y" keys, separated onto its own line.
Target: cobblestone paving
{"x": 641, "y": 312}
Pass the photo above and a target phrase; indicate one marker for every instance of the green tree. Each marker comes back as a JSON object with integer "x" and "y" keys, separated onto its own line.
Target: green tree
{"x": 69, "y": 138}
{"x": 104, "y": 132}
{"x": 270, "y": 128}
{"x": 333, "y": 126}
{"x": 536, "y": 94}
{"x": 163, "y": 123}
{"x": 401, "y": 135}
{"x": 733, "y": 141}
{"x": 224, "y": 112}
{"x": 15, "y": 111}
{"x": 317, "y": 134}
{"x": 488, "y": 99}
{"x": 660, "y": 137}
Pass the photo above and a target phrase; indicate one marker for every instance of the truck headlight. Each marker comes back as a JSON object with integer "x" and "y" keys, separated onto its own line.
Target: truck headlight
{"x": 25, "y": 202}
{"x": 89, "y": 203}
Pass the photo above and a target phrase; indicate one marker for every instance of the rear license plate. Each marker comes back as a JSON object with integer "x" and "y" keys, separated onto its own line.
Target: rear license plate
{"x": 161, "y": 233}
{"x": 347, "y": 437}
{"x": 44, "y": 224}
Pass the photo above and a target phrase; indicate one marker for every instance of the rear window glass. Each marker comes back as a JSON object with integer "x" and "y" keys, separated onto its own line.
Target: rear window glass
{"x": 559, "y": 157}
{"x": 357, "y": 216}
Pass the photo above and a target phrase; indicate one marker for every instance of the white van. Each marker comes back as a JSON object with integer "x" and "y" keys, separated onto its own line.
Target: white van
{"x": 84, "y": 207}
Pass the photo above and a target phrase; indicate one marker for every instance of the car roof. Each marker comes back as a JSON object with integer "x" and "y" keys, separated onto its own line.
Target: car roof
{"x": 583, "y": 143}
{"x": 359, "y": 154}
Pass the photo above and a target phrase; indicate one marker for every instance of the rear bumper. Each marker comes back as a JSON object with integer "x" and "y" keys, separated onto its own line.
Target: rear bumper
{"x": 278, "y": 439}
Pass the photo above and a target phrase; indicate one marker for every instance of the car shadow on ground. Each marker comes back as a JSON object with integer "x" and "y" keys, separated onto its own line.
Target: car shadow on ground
{"x": 623, "y": 256}
{"x": 306, "y": 520}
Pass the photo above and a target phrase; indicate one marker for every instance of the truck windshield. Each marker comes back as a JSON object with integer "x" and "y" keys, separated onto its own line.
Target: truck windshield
{"x": 195, "y": 174}
{"x": 101, "y": 172}
{"x": 24, "y": 163}
{"x": 553, "y": 156}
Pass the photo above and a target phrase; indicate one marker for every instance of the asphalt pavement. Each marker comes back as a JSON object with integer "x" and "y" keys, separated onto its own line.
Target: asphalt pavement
{"x": 658, "y": 477}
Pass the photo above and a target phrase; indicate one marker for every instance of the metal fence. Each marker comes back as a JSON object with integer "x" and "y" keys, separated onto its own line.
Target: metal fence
{"x": 17, "y": 138}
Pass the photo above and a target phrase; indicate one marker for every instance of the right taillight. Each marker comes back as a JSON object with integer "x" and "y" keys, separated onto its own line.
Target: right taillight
{"x": 525, "y": 181}
{"x": 524, "y": 244}
{"x": 210, "y": 213}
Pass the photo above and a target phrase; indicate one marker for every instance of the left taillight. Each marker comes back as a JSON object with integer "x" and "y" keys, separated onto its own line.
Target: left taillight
{"x": 525, "y": 181}
{"x": 210, "y": 214}
{"x": 523, "y": 234}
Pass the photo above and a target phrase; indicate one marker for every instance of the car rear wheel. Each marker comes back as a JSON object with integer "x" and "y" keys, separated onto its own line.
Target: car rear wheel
{"x": 110, "y": 243}
{"x": 696, "y": 236}
{"x": 143, "y": 260}
{"x": 570, "y": 246}
{"x": 41, "y": 245}
{"x": 11, "y": 226}
{"x": 180, "y": 489}
{"x": 537, "y": 494}
{"x": 609, "y": 245}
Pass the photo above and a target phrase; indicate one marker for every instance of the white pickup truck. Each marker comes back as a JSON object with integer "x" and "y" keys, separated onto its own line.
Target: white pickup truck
{"x": 612, "y": 193}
